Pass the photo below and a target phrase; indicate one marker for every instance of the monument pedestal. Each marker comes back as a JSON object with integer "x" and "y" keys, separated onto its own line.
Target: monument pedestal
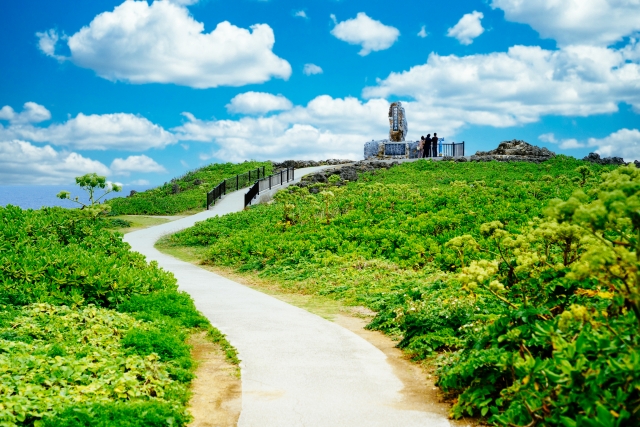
{"x": 385, "y": 149}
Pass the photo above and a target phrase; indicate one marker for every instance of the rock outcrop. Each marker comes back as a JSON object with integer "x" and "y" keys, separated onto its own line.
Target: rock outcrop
{"x": 346, "y": 173}
{"x": 595, "y": 158}
{"x": 514, "y": 151}
{"x": 299, "y": 164}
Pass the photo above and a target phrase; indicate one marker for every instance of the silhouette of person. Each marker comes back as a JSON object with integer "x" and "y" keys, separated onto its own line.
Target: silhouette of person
{"x": 427, "y": 145}
{"x": 434, "y": 145}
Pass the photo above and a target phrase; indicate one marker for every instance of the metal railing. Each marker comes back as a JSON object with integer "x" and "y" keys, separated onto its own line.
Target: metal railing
{"x": 233, "y": 184}
{"x": 453, "y": 149}
{"x": 267, "y": 183}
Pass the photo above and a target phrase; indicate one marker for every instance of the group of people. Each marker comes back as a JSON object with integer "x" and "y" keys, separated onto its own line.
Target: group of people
{"x": 428, "y": 147}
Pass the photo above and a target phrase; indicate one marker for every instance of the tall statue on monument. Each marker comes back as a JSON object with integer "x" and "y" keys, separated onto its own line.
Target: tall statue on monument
{"x": 397, "y": 122}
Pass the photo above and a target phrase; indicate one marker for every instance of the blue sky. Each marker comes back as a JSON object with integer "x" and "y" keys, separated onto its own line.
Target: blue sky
{"x": 143, "y": 91}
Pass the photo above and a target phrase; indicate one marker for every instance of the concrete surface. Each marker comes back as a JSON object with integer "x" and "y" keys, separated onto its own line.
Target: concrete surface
{"x": 298, "y": 369}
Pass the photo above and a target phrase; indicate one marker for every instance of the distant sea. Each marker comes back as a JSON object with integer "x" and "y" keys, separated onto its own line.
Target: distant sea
{"x": 37, "y": 196}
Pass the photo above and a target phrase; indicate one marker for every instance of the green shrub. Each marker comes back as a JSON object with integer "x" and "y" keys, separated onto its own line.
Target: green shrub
{"x": 135, "y": 414}
{"x": 56, "y": 357}
{"x": 63, "y": 257}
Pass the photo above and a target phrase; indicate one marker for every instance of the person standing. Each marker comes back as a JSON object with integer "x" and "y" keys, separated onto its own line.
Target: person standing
{"x": 434, "y": 145}
{"x": 421, "y": 147}
{"x": 427, "y": 145}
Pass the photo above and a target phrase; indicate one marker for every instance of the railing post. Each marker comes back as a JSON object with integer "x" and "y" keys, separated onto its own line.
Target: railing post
{"x": 269, "y": 182}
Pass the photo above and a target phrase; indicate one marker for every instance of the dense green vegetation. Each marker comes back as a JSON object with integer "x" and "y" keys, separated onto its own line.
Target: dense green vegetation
{"x": 518, "y": 280}
{"x": 90, "y": 333}
{"x": 182, "y": 194}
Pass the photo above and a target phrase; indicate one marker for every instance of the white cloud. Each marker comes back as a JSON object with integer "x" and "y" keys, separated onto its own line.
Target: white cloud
{"x": 31, "y": 113}
{"x": 565, "y": 144}
{"x": 258, "y": 103}
{"x": 47, "y": 41}
{"x": 162, "y": 43}
{"x": 118, "y": 131}
{"x": 184, "y": 2}
{"x": 24, "y": 163}
{"x": 594, "y": 22}
{"x": 324, "y": 128}
{"x": 423, "y": 32}
{"x": 372, "y": 35}
{"x": 468, "y": 28}
{"x": 138, "y": 164}
{"x": 518, "y": 86}
{"x": 624, "y": 143}
{"x": 310, "y": 69}
{"x": 139, "y": 182}
{"x": 301, "y": 14}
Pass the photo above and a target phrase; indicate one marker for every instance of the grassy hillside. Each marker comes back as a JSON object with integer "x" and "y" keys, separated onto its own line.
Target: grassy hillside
{"x": 183, "y": 194}
{"x": 90, "y": 333}
{"x": 518, "y": 280}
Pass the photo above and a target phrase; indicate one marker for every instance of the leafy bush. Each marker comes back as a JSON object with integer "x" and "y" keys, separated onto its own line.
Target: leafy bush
{"x": 564, "y": 349}
{"x": 135, "y": 414}
{"x": 63, "y": 257}
{"x": 53, "y": 357}
{"x": 182, "y": 194}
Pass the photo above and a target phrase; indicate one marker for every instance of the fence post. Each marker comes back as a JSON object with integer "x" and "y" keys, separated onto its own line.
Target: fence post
{"x": 269, "y": 182}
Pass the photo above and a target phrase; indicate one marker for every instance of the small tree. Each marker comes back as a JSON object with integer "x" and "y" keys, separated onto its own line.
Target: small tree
{"x": 90, "y": 183}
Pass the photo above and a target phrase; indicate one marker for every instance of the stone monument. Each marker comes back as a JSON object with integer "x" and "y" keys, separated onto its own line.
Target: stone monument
{"x": 397, "y": 122}
{"x": 395, "y": 147}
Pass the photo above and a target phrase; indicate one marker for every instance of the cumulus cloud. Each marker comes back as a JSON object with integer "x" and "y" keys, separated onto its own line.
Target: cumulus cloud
{"x": 24, "y": 163}
{"x": 118, "y": 131}
{"x": 565, "y": 144}
{"x": 138, "y": 164}
{"x": 624, "y": 143}
{"x": 162, "y": 43}
{"x": 518, "y": 86}
{"x": 594, "y": 22}
{"x": 372, "y": 35}
{"x": 423, "y": 32}
{"x": 31, "y": 113}
{"x": 468, "y": 28}
{"x": 301, "y": 14}
{"x": 310, "y": 69}
{"x": 258, "y": 103}
{"x": 325, "y": 128}
{"x": 47, "y": 41}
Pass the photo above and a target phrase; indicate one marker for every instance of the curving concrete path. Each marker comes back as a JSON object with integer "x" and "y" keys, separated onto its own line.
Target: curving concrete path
{"x": 298, "y": 369}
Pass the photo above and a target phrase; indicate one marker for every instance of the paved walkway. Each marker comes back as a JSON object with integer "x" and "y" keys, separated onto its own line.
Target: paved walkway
{"x": 298, "y": 369}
